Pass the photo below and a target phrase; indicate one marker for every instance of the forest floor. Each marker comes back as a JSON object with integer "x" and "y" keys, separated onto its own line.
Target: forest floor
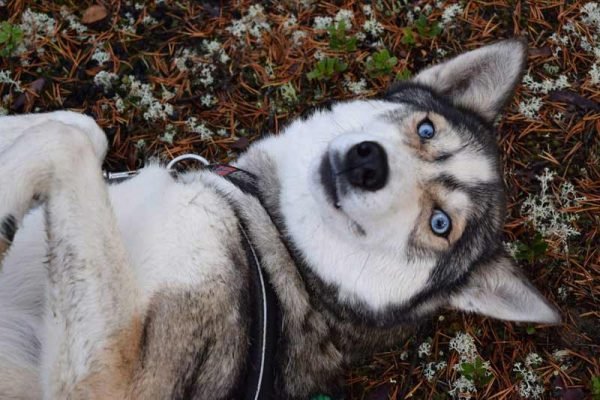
{"x": 168, "y": 77}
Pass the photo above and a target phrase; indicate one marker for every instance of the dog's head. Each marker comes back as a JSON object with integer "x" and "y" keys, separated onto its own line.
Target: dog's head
{"x": 397, "y": 205}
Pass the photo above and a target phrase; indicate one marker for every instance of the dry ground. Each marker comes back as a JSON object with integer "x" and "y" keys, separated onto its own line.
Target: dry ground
{"x": 165, "y": 63}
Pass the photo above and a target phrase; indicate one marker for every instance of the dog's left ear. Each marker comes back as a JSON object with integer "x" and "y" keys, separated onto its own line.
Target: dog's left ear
{"x": 481, "y": 80}
{"x": 500, "y": 290}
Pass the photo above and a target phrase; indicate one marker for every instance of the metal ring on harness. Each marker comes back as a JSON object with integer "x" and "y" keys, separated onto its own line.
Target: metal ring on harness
{"x": 188, "y": 156}
{"x": 121, "y": 176}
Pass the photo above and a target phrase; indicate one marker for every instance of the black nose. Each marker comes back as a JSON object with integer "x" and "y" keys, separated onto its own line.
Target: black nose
{"x": 366, "y": 166}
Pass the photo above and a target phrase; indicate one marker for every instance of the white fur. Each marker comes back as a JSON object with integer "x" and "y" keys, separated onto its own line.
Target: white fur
{"x": 370, "y": 269}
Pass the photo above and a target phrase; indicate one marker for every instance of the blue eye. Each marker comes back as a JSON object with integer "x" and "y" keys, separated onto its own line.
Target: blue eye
{"x": 440, "y": 223}
{"x": 426, "y": 129}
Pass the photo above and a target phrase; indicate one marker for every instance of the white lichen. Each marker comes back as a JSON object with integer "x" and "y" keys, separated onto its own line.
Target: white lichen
{"x": 184, "y": 58}
{"x": 214, "y": 49}
{"x": 530, "y": 107}
{"x": 289, "y": 93}
{"x": 169, "y": 134}
{"x": 127, "y": 24}
{"x": 530, "y": 386}
{"x": 253, "y": 23}
{"x": 356, "y": 87}
{"x": 36, "y": 27}
{"x": 208, "y": 100}
{"x": 373, "y": 27}
{"x": 142, "y": 94}
{"x": 119, "y": 103}
{"x": 322, "y": 23}
{"x": 547, "y": 85}
{"x": 100, "y": 55}
{"x": 74, "y": 23}
{"x": 105, "y": 80}
{"x": 298, "y": 37}
{"x": 591, "y": 14}
{"x": 345, "y": 16}
{"x": 464, "y": 345}
{"x": 512, "y": 248}
{"x": 424, "y": 350}
{"x": 533, "y": 360}
{"x": 462, "y": 388}
{"x": 199, "y": 128}
{"x": 5, "y": 77}
{"x": 290, "y": 23}
{"x": 450, "y": 13}
{"x": 594, "y": 73}
{"x": 545, "y": 212}
{"x": 430, "y": 370}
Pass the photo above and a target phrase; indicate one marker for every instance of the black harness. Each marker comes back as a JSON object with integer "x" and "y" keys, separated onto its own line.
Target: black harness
{"x": 259, "y": 380}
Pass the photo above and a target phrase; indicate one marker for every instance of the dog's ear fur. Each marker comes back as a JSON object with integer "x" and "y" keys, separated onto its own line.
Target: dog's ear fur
{"x": 500, "y": 290}
{"x": 481, "y": 80}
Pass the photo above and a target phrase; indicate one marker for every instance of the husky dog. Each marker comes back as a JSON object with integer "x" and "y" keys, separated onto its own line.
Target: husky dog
{"x": 325, "y": 243}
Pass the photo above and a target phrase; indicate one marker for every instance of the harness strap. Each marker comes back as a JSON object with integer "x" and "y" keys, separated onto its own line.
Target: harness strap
{"x": 259, "y": 382}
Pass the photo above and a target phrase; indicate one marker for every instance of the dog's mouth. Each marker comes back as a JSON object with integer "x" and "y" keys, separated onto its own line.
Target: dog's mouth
{"x": 329, "y": 180}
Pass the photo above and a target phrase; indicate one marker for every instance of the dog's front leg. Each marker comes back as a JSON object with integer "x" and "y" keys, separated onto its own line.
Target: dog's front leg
{"x": 92, "y": 322}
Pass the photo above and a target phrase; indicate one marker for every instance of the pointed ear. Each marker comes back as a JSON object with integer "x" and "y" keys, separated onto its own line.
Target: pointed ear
{"x": 500, "y": 290}
{"x": 481, "y": 80}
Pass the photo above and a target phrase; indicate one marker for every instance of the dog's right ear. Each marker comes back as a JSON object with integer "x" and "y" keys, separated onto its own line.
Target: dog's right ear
{"x": 481, "y": 80}
{"x": 499, "y": 290}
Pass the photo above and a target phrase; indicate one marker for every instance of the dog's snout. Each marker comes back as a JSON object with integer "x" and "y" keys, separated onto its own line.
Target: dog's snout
{"x": 366, "y": 166}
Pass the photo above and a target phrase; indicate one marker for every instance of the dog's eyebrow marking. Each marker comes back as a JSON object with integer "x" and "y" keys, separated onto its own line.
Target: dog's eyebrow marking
{"x": 471, "y": 167}
{"x": 442, "y": 157}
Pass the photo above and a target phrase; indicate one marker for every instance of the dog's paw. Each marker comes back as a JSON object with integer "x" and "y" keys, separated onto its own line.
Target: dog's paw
{"x": 87, "y": 126}
{"x": 13, "y": 127}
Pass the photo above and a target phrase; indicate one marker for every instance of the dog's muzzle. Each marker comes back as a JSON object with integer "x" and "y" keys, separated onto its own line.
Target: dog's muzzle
{"x": 366, "y": 166}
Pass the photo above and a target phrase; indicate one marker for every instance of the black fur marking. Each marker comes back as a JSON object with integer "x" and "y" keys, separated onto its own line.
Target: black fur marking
{"x": 443, "y": 157}
{"x": 186, "y": 384}
{"x": 8, "y": 228}
{"x": 328, "y": 181}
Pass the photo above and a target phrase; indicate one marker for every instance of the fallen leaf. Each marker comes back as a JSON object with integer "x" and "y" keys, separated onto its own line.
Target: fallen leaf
{"x": 26, "y": 99}
{"x": 564, "y": 393}
{"x": 241, "y": 144}
{"x": 545, "y": 51}
{"x": 37, "y": 85}
{"x": 566, "y": 96}
{"x": 381, "y": 393}
{"x": 94, "y": 13}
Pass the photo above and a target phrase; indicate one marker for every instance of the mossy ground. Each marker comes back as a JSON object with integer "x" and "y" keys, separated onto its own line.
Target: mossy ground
{"x": 262, "y": 84}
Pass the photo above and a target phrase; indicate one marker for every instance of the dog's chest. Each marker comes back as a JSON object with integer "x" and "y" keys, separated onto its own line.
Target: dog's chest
{"x": 176, "y": 235}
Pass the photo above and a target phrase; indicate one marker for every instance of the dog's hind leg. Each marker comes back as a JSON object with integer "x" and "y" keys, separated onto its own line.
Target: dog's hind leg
{"x": 92, "y": 322}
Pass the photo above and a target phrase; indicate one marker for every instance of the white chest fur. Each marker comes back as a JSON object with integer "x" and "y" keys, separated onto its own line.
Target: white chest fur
{"x": 173, "y": 232}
